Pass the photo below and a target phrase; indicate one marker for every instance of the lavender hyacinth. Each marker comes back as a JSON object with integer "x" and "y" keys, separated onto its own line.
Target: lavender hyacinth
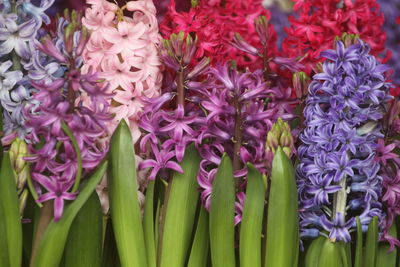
{"x": 337, "y": 174}
{"x": 67, "y": 135}
{"x": 20, "y": 22}
{"x": 391, "y": 10}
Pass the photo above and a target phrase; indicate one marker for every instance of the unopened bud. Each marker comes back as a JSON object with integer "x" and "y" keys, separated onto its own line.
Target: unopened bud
{"x": 280, "y": 135}
{"x": 261, "y": 25}
{"x": 301, "y": 81}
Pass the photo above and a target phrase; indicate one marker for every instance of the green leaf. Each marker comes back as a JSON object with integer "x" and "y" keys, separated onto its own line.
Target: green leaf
{"x": 359, "y": 245}
{"x": 330, "y": 255}
{"x": 251, "y": 225}
{"x": 314, "y": 252}
{"x": 84, "y": 245}
{"x": 180, "y": 211}
{"x": 4, "y": 261}
{"x": 148, "y": 225}
{"x": 371, "y": 243}
{"x": 110, "y": 252}
{"x": 201, "y": 243}
{"x": 52, "y": 244}
{"x": 124, "y": 204}
{"x": 384, "y": 256}
{"x": 222, "y": 228}
{"x": 11, "y": 221}
{"x": 283, "y": 222}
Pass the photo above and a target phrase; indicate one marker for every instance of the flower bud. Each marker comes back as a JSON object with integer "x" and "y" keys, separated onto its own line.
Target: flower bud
{"x": 280, "y": 135}
{"x": 190, "y": 49}
{"x": 300, "y": 83}
{"x": 261, "y": 24}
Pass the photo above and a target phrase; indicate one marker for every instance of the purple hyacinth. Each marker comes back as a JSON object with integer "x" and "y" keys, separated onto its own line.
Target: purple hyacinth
{"x": 337, "y": 174}
{"x": 173, "y": 120}
{"x": 68, "y": 115}
{"x": 390, "y": 165}
{"x": 20, "y": 22}
{"x": 391, "y": 11}
{"x": 237, "y": 122}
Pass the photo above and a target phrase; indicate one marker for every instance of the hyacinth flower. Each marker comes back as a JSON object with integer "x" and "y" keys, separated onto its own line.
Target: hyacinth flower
{"x": 238, "y": 119}
{"x": 338, "y": 177}
{"x": 66, "y": 134}
{"x": 391, "y": 11}
{"x": 317, "y": 22}
{"x": 173, "y": 120}
{"x": 215, "y": 22}
{"x": 20, "y": 22}
{"x": 123, "y": 49}
{"x": 389, "y": 160}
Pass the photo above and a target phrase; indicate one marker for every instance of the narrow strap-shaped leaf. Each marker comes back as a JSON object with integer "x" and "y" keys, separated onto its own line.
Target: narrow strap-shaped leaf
{"x": 313, "y": 252}
{"x": 283, "y": 223}
{"x": 124, "y": 203}
{"x": 110, "y": 252}
{"x": 53, "y": 242}
{"x": 359, "y": 245}
{"x": 222, "y": 228}
{"x": 10, "y": 209}
{"x": 201, "y": 243}
{"x": 180, "y": 212}
{"x": 384, "y": 256}
{"x": 148, "y": 225}
{"x": 371, "y": 243}
{"x": 252, "y": 218}
{"x": 4, "y": 261}
{"x": 85, "y": 237}
{"x": 345, "y": 253}
{"x": 330, "y": 255}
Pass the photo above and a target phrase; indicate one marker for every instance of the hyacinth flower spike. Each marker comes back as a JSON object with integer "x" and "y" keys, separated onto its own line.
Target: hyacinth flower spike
{"x": 337, "y": 175}
{"x": 66, "y": 139}
{"x": 20, "y": 22}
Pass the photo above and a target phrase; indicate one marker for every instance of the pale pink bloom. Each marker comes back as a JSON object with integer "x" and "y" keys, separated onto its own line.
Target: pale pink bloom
{"x": 96, "y": 20}
{"x": 126, "y": 37}
{"x": 103, "y": 4}
{"x": 119, "y": 74}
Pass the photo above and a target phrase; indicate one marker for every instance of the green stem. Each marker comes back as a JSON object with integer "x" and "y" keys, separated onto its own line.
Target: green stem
{"x": 31, "y": 187}
{"x": 71, "y": 136}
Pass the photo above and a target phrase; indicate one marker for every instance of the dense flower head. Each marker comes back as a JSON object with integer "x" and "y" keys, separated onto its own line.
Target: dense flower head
{"x": 389, "y": 160}
{"x": 172, "y": 121}
{"x": 318, "y": 22}
{"x": 123, "y": 49}
{"x": 66, "y": 134}
{"x": 215, "y": 23}
{"x": 338, "y": 177}
{"x": 240, "y": 110}
{"x": 391, "y": 11}
{"x": 20, "y": 22}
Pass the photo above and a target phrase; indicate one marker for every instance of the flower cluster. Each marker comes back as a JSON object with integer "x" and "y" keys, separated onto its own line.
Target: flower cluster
{"x": 241, "y": 109}
{"x": 320, "y": 21}
{"x": 66, "y": 136}
{"x": 19, "y": 25}
{"x": 337, "y": 174}
{"x": 123, "y": 49}
{"x": 391, "y": 10}
{"x": 215, "y": 23}
{"x": 390, "y": 163}
{"x": 172, "y": 120}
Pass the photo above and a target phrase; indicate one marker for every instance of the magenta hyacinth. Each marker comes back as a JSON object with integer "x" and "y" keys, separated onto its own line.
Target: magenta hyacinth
{"x": 66, "y": 135}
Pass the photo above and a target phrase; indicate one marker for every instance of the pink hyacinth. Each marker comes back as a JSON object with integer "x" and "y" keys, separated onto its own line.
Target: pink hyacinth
{"x": 123, "y": 49}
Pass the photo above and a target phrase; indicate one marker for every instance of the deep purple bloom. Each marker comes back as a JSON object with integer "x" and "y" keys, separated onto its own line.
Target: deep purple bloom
{"x": 57, "y": 190}
{"x": 67, "y": 117}
{"x": 337, "y": 174}
{"x": 162, "y": 161}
